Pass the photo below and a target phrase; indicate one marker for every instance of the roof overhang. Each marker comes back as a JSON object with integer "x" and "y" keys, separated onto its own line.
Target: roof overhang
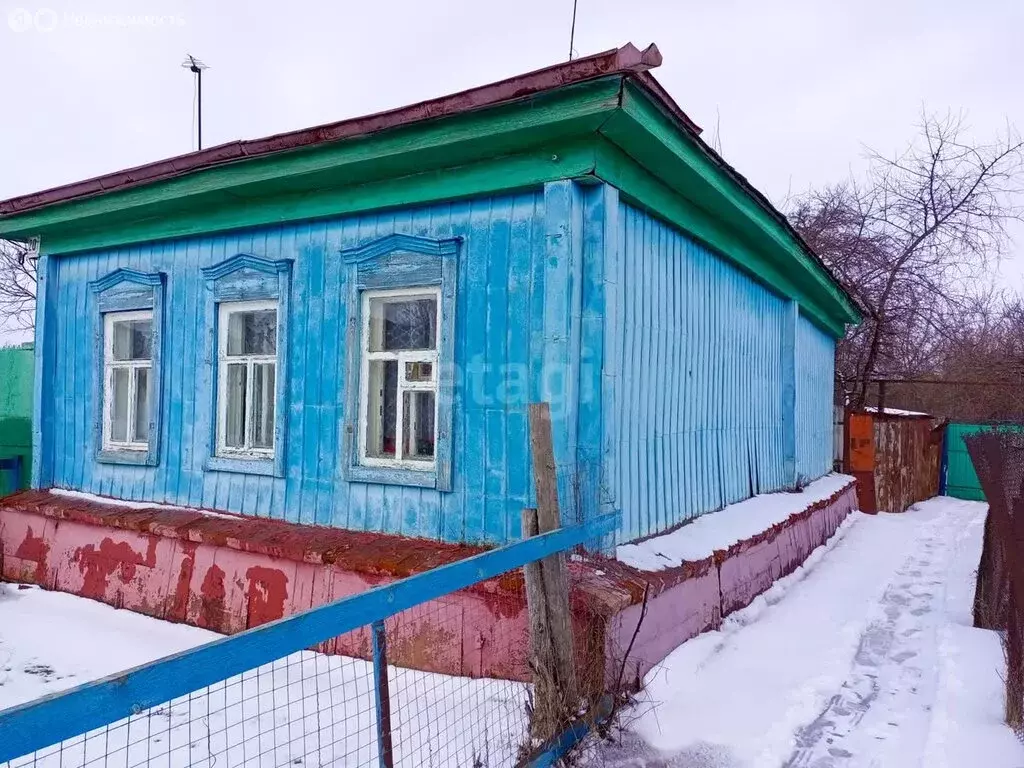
{"x": 603, "y": 117}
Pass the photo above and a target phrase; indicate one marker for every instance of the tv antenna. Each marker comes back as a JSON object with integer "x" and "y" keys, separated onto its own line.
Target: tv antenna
{"x": 195, "y": 66}
{"x": 572, "y": 32}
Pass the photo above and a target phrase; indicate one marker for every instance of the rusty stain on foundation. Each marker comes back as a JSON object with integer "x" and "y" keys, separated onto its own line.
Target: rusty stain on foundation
{"x": 212, "y": 613}
{"x": 266, "y": 594}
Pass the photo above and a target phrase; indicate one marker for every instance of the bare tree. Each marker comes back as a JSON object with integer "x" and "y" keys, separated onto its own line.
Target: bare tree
{"x": 17, "y": 287}
{"x": 972, "y": 368}
{"x": 912, "y": 241}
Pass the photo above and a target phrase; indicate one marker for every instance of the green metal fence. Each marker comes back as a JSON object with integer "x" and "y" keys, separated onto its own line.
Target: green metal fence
{"x": 961, "y": 481}
{"x": 16, "y": 367}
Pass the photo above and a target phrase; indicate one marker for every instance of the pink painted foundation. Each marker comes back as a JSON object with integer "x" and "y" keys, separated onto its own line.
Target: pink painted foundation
{"x": 228, "y": 573}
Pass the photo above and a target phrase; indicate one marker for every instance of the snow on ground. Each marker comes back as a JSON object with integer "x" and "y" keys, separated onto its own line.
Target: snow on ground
{"x": 722, "y": 529}
{"x": 51, "y": 640}
{"x": 862, "y": 658}
{"x": 306, "y": 709}
{"x": 865, "y": 658}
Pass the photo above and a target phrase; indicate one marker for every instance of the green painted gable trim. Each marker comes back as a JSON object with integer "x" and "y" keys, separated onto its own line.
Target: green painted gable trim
{"x": 684, "y": 166}
{"x": 503, "y": 174}
{"x": 347, "y": 166}
{"x": 607, "y": 128}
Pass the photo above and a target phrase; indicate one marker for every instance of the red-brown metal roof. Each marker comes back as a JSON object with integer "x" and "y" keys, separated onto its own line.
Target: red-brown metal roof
{"x": 625, "y": 60}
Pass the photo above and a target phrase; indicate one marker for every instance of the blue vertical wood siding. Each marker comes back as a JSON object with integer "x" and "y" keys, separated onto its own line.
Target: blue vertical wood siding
{"x": 499, "y": 343}
{"x": 815, "y": 371}
{"x": 694, "y": 370}
{"x": 672, "y": 375}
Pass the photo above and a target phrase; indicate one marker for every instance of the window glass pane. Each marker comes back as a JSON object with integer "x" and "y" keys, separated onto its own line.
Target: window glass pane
{"x": 234, "y": 404}
{"x": 252, "y": 332}
{"x": 382, "y": 409}
{"x": 119, "y": 395}
{"x": 263, "y": 405}
{"x": 141, "y": 405}
{"x": 132, "y": 339}
{"x": 406, "y": 323}
{"x": 419, "y": 372}
{"x": 418, "y": 426}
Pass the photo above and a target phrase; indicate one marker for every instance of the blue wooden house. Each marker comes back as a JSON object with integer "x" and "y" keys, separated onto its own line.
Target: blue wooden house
{"x": 344, "y": 325}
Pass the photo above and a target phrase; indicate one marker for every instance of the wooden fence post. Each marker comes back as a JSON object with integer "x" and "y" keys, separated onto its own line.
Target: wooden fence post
{"x": 556, "y": 695}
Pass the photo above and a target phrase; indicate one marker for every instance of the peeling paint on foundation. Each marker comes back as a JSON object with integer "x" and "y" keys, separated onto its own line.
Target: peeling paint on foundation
{"x": 212, "y": 608}
{"x": 35, "y": 549}
{"x": 98, "y": 564}
{"x": 229, "y": 574}
{"x": 178, "y": 610}
{"x": 267, "y": 592}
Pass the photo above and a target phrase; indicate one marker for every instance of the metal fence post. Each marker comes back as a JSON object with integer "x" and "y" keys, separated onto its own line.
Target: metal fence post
{"x": 380, "y": 677}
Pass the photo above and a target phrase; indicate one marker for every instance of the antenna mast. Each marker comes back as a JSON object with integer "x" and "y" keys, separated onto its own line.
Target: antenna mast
{"x": 572, "y": 33}
{"x": 194, "y": 65}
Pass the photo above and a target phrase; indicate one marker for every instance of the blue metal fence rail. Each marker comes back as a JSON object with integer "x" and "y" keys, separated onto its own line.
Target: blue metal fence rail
{"x": 47, "y": 721}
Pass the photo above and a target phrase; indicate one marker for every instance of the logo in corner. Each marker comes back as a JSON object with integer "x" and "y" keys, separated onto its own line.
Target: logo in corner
{"x": 20, "y": 20}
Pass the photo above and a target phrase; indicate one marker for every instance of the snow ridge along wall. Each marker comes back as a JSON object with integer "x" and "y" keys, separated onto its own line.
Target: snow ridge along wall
{"x": 692, "y": 598}
{"x": 228, "y": 573}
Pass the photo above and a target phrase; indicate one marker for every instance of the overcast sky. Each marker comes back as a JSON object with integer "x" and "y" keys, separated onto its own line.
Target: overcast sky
{"x": 798, "y": 87}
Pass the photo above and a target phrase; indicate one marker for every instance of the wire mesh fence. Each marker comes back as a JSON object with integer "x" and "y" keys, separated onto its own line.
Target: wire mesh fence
{"x": 477, "y": 717}
{"x": 998, "y": 458}
{"x": 307, "y": 708}
{"x": 319, "y": 708}
{"x": 442, "y": 682}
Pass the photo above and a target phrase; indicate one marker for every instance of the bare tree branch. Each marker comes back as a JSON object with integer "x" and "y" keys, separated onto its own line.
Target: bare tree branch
{"x": 912, "y": 241}
{"x": 17, "y": 287}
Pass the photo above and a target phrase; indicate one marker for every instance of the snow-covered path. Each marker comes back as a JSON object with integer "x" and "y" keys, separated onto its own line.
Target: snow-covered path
{"x": 864, "y": 658}
{"x": 884, "y": 706}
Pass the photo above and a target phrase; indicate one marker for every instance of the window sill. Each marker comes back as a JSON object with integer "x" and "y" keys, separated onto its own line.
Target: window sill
{"x": 269, "y": 467}
{"x": 391, "y": 476}
{"x": 138, "y": 458}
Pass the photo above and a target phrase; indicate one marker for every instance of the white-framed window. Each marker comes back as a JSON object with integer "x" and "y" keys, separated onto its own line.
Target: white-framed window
{"x": 398, "y": 397}
{"x": 246, "y": 378}
{"x": 127, "y": 379}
